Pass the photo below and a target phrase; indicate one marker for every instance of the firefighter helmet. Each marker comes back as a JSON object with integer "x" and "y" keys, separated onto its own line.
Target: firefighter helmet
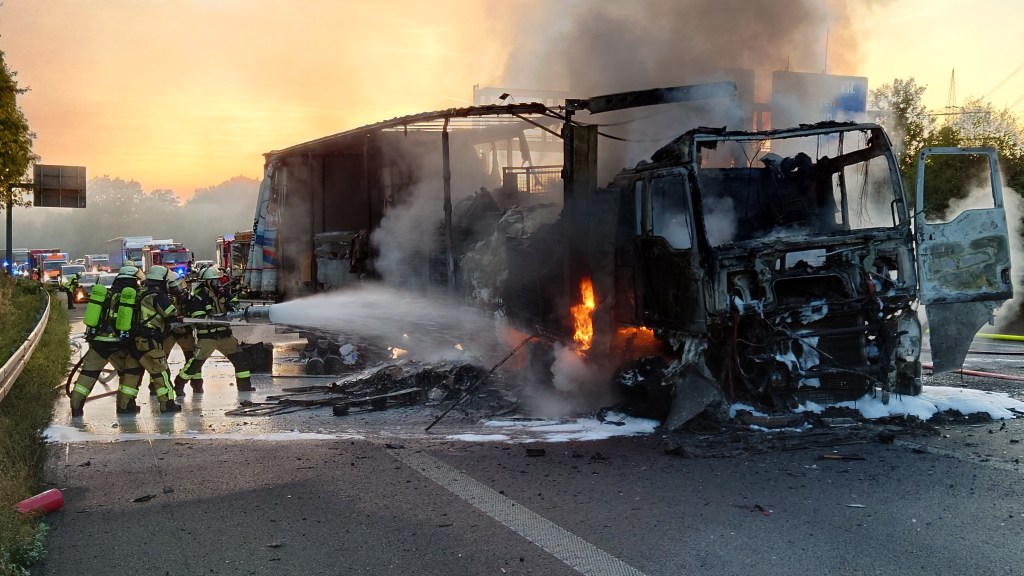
{"x": 156, "y": 273}
{"x": 210, "y": 273}
{"x": 129, "y": 271}
{"x": 174, "y": 281}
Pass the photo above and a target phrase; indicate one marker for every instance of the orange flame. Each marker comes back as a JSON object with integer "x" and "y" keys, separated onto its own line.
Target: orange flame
{"x": 582, "y": 315}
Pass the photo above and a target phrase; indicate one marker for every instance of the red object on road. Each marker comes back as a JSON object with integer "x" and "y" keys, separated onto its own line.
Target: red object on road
{"x": 43, "y": 503}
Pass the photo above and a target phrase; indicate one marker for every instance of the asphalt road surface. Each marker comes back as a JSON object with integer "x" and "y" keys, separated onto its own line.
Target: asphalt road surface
{"x": 310, "y": 493}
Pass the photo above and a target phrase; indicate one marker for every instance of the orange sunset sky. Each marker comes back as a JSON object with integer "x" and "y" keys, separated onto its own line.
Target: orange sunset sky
{"x": 184, "y": 94}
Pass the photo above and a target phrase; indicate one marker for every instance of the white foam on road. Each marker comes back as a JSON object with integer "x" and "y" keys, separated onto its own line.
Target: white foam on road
{"x": 931, "y": 401}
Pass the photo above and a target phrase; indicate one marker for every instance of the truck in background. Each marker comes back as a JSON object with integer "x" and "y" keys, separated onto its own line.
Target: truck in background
{"x": 173, "y": 255}
{"x": 51, "y": 264}
{"x": 126, "y": 250}
{"x": 19, "y": 261}
{"x": 233, "y": 253}
{"x": 36, "y": 255}
{"x": 97, "y": 262}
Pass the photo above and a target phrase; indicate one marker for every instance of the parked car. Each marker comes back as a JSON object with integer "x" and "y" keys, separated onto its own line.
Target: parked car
{"x": 85, "y": 283}
{"x": 66, "y": 270}
{"x": 69, "y": 269}
{"x": 106, "y": 278}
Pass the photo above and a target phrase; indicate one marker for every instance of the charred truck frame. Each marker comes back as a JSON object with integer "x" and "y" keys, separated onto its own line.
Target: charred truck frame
{"x": 782, "y": 266}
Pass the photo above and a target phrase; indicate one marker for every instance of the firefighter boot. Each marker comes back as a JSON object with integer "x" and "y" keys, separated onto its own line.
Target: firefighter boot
{"x": 169, "y": 407}
{"x": 130, "y": 408}
{"x": 77, "y": 412}
{"x": 245, "y": 385}
{"x": 179, "y": 385}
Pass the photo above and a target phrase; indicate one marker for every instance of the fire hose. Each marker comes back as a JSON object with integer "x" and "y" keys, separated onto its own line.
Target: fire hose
{"x": 966, "y": 372}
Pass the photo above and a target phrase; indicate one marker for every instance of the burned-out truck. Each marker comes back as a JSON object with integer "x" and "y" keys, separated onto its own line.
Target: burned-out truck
{"x": 779, "y": 265}
{"x": 789, "y": 264}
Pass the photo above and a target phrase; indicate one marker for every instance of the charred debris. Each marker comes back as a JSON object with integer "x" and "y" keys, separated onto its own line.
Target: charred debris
{"x": 774, "y": 266}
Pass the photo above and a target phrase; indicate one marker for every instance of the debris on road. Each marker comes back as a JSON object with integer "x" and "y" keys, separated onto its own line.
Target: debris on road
{"x": 388, "y": 385}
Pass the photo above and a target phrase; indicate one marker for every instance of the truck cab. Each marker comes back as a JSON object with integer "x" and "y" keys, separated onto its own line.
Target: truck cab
{"x": 789, "y": 264}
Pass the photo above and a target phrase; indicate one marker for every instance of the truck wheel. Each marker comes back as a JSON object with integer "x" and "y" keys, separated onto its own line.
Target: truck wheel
{"x": 314, "y": 366}
{"x": 333, "y": 365}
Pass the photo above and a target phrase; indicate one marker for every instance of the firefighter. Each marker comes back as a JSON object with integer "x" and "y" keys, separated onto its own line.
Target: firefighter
{"x": 155, "y": 312}
{"x": 68, "y": 287}
{"x": 107, "y": 345}
{"x": 178, "y": 333}
{"x": 211, "y": 300}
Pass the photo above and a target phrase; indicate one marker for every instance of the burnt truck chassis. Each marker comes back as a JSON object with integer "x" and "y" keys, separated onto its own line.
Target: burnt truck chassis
{"x": 795, "y": 313}
{"x": 821, "y": 333}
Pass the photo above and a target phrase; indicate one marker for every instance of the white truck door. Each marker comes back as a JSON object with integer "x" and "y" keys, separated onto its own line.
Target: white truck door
{"x": 963, "y": 264}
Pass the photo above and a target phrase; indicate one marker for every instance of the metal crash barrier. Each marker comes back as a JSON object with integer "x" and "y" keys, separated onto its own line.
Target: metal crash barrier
{"x": 10, "y": 371}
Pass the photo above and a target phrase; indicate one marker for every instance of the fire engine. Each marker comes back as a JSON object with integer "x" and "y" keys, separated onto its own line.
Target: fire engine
{"x": 233, "y": 252}
{"x": 172, "y": 255}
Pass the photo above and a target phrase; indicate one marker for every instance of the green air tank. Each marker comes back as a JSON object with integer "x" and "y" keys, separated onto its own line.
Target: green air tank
{"x": 125, "y": 310}
{"x": 94, "y": 309}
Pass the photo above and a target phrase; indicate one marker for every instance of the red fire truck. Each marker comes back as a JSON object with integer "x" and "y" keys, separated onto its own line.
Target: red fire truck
{"x": 173, "y": 255}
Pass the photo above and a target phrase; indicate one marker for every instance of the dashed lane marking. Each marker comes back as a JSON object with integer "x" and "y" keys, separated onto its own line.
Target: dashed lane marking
{"x": 576, "y": 552}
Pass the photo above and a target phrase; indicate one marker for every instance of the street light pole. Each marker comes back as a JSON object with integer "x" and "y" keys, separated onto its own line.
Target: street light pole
{"x": 9, "y": 257}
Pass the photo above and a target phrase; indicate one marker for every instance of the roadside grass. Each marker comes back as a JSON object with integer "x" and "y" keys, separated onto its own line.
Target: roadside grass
{"x": 25, "y": 413}
{"x": 20, "y": 304}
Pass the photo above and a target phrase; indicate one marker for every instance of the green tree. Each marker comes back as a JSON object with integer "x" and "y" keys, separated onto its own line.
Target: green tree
{"x": 15, "y": 137}
{"x": 904, "y": 116}
{"x": 981, "y": 124}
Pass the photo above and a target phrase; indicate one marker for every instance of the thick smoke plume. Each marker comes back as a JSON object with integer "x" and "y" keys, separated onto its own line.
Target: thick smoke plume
{"x": 599, "y": 47}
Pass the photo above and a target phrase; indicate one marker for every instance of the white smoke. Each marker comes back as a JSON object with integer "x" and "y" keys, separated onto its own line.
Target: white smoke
{"x": 1010, "y": 311}
{"x": 579, "y": 387}
{"x": 412, "y": 228}
{"x": 720, "y": 220}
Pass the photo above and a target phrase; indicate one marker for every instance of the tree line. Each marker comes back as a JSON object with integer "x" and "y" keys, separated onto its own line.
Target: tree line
{"x": 975, "y": 123}
{"x": 117, "y": 207}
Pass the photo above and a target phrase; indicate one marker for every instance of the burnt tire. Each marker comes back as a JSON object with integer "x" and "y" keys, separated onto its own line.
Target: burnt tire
{"x": 314, "y": 366}
{"x": 333, "y": 365}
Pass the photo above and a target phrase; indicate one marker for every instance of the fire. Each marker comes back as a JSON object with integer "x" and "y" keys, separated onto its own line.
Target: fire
{"x": 582, "y": 315}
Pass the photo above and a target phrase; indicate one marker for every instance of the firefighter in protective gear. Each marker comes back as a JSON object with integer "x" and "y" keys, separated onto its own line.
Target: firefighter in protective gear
{"x": 155, "y": 311}
{"x": 68, "y": 287}
{"x": 178, "y": 333}
{"x": 210, "y": 300}
{"x": 107, "y": 347}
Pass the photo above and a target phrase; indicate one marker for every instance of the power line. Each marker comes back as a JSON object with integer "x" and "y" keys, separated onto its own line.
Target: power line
{"x": 1005, "y": 80}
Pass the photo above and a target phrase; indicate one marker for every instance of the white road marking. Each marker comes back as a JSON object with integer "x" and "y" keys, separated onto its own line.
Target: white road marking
{"x": 576, "y": 552}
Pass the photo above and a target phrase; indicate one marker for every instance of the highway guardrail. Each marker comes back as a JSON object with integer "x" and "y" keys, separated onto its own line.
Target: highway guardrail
{"x": 10, "y": 371}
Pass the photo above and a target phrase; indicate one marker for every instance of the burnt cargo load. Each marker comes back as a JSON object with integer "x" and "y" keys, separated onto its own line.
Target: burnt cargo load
{"x": 780, "y": 266}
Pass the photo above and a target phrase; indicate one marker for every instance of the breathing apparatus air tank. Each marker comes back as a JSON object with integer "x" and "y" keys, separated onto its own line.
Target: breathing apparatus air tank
{"x": 94, "y": 309}
{"x": 125, "y": 311}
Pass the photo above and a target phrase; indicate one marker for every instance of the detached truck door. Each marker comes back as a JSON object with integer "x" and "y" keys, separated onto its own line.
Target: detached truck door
{"x": 963, "y": 264}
